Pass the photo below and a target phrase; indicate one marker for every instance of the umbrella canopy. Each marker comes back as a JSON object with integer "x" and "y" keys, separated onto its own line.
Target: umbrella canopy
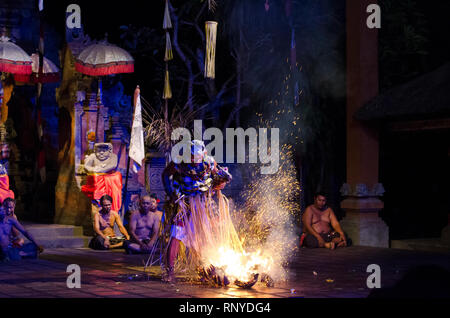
{"x": 12, "y": 58}
{"x": 50, "y": 72}
{"x": 104, "y": 59}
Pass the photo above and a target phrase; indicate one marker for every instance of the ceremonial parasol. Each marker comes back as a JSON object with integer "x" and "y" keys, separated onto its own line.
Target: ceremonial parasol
{"x": 13, "y": 59}
{"x": 103, "y": 59}
{"x": 50, "y": 72}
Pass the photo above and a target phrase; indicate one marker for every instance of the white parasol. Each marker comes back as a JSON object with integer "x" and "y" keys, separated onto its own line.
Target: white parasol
{"x": 104, "y": 59}
{"x": 13, "y": 59}
{"x": 50, "y": 72}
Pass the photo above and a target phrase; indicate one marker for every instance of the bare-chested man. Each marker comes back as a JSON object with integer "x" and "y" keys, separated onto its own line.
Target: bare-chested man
{"x": 144, "y": 226}
{"x": 104, "y": 221}
{"x": 321, "y": 226}
{"x": 9, "y": 205}
{"x": 7, "y": 223}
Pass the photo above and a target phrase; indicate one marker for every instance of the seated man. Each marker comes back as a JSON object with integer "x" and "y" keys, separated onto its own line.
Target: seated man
{"x": 104, "y": 221}
{"x": 9, "y": 205}
{"x": 7, "y": 224}
{"x": 320, "y": 226}
{"x": 5, "y": 192}
{"x": 144, "y": 226}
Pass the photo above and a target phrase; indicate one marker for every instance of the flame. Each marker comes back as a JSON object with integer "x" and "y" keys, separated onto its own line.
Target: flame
{"x": 239, "y": 266}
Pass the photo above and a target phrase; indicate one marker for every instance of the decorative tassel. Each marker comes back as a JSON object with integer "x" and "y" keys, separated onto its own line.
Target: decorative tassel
{"x": 167, "y": 23}
{"x": 169, "y": 55}
{"x": 212, "y": 5}
{"x": 167, "y": 91}
{"x": 211, "y": 32}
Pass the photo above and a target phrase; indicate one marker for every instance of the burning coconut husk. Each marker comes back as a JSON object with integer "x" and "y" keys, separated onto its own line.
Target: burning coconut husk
{"x": 248, "y": 284}
{"x": 214, "y": 276}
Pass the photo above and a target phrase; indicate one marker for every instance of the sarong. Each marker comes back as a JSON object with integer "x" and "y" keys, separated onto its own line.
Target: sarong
{"x": 311, "y": 241}
{"x": 99, "y": 184}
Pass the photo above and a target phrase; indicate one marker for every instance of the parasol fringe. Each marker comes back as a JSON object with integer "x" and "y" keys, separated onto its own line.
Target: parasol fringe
{"x": 211, "y": 33}
{"x": 167, "y": 23}
{"x": 33, "y": 78}
{"x": 15, "y": 67}
{"x": 169, "y": 54}
{"x": 104, "y": 70}
{"x": 167, "y": 91}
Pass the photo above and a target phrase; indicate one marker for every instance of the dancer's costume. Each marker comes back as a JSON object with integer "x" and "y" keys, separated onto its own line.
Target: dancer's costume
{"x": 202, "y": 224}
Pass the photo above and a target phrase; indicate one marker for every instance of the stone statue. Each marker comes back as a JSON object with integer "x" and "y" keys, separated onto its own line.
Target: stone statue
{"x": 102, "y": 178}
{"x": 103, "y": 159}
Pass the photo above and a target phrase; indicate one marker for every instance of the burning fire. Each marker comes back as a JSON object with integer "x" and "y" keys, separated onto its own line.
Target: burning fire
{"x": 255, "y": 240}
{"x": 265, "y": 225}
{"x": 240, "y": 266}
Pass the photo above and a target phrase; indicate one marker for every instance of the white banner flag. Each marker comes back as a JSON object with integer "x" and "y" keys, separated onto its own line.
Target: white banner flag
{"x": 137, "y": 148}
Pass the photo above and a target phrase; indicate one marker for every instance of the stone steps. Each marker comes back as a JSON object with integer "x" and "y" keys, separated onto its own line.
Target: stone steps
{"x": 57, "y": 235}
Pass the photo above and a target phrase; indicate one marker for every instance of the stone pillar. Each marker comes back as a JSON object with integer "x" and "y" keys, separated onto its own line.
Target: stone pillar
{"x": 361, "y": 221}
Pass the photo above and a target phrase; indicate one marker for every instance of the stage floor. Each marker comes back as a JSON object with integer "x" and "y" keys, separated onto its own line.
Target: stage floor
{"x": 313, "y": 273}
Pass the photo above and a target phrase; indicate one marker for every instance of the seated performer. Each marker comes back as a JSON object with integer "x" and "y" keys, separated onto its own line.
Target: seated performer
{"x": 102, "y": 179}
{"x": 144, "y": 226}
{"x": 9, "y": 204}
{"x": 191, "y": 187}
{"x": 7, "y": 223}
{"x": 5, "y": 192}
{"x": 320, "y": 226}
{"x": 104, "y": 221}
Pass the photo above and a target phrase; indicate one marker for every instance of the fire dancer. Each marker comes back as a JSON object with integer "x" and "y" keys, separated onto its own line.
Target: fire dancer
{"x": 198, "y": 223}
{"x": 320, "y": 226}
{"x": 144, "y": 226}
{"x": 7, "y": 223}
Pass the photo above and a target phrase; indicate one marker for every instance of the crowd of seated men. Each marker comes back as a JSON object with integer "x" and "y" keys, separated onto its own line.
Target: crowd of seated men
{"x": 144, "y": 229}
{"x": 321, "y": 229}
{"x": 143, "y": 232}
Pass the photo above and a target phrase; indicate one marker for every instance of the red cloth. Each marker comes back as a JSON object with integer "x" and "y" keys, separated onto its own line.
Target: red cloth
{"x": 302, "y": 238}
{"x": 97, "y": 185}
{"x": 4, "y": 188}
